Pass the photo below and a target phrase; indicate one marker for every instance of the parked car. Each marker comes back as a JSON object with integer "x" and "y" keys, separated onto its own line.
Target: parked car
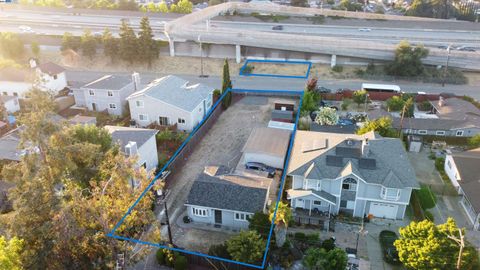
{"x": 277, "y": 27}
{"x": 364, "y": 29}
{"x": 257, "y": 166}
{"x": 322, "y": 89}
{"x": 390, "y": 253}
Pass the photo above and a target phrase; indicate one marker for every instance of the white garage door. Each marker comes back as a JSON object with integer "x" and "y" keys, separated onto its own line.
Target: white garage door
{"x": 383, "y": 210}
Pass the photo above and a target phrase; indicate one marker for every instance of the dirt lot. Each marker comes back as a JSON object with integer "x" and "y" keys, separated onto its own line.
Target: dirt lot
{"x": 279, "y": 69}
{"x": 220, "y": 146}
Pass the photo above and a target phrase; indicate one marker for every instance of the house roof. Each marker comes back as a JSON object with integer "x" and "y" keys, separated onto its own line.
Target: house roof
{"x": 320, "y": 155}
{"x": 432, "y": 123}
{"x": 348, "y": 129}
{"x": 123, "y": 135}
{"x": 51, "y": 68}
{"x": 12, "y": 74}
{"x": 176, "y": 91}
{"x": 226, "y": 193}
{"x": 467, "y": 164}
{"x": 295, "y": 193}
{"x": 271, "y": 141}
{"x": 111, "y": 82}
{"x": 456, "y": 108}
{"x": 9, "y": 144}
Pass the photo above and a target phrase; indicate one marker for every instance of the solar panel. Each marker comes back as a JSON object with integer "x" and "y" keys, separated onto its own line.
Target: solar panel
{"x": 367, "y": 163}
{"x": 335, "y": 161}
{"x": 348, "y": 152}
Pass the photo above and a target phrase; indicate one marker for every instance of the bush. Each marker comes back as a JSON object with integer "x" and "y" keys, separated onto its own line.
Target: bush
{"x": 248, "y": 69}
{"x": 181, "y": 263}
{"x": 299, "y": 236}
{"x": 217, "y": 93}
{"x": 331, "y": 2}
{"x": 345, "y": 103}
{"x": 186, "y": 219}
{"x": 337, "y": 68}
{"x": 425, "y": 106}
{"x": 312, "y": 238}
{"x": 440, "y": 163}
{"x": 426, "y": 197}
{"x": 429, "y": 216}
{"x": 328, "y": 244}
{"x": 160, "y": 256}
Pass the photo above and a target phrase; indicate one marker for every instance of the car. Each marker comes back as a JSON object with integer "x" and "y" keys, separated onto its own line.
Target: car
{"x": 322, "y": 89}
{"x": 257, "y": 166}
{"x": 443, "y": 47}
{"x": 364, "y": 29}
{"x": 277, "y": 27}
{"x": 97, "y": 34}
{"x": 25, "y": 29}
{"x": 467, "y": 49}
{"x": 390, "y": 253}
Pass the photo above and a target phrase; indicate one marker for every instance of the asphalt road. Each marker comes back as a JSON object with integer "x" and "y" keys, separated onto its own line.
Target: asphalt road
{"x": 267, "y": 83}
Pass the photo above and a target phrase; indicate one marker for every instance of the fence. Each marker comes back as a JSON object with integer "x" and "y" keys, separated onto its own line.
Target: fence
{"x": 201, "y": 263}
{"x": 382, "y": 96}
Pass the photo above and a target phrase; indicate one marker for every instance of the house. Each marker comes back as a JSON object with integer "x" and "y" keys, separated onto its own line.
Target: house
{"x": 10, "y": 103}
{"x": 137, "y": 142}
{"x": 462, "y": 169}
{"x": 226, "y": 200}
{"x": 16, "y": 81}
{"x": 171, "y": 100}
{"x": 9, "y": 146}
{"x": 51, "y": 77}
{"x": 354, "y": 174}
{"x": 107, "y": 93}
{"x": 268, "y": 146}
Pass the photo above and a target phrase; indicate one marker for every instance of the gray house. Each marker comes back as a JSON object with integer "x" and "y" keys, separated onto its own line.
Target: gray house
{"x": 354, "y": 174}
{"x": 107, "y": 93}
{"x": 226, "y": 200}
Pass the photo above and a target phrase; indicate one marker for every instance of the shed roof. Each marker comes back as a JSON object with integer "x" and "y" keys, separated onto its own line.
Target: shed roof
{"x": 272, "y": 141}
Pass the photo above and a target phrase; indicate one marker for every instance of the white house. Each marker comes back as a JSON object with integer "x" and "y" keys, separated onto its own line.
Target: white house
{"x": 108, "y": 93}
{"x": 15, "y": 81}
{"x": 171, "y": 100}
{"x": 51, "y": 77}
{"x": 10, "y": 103}
{"x": 463, "y": 171}
{"x": 137, "y": 142}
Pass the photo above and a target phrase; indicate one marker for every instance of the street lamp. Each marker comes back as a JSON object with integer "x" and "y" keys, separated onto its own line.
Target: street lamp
{"x": 446, "y": 66}
{"x": 201, "y": 56}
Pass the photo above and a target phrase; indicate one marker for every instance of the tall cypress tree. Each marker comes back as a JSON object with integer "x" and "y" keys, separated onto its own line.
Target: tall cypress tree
{"x": 149, "y": 50}
{"x": 226, "y": 84}
{"x": 128, "y": 43}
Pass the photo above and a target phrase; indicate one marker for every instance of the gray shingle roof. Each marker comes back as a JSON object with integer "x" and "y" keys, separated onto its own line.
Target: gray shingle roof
{"x": 209, "y": 191}
{"x": 176, "y": 91}
{"x": 110, "y": 82}
{"x": 51, "y": 68}
{"x": 123, "y": 135}
{"x": 432, "y": 124}
{"x": 9, "y": 144}
{"x": 467, "y": 164}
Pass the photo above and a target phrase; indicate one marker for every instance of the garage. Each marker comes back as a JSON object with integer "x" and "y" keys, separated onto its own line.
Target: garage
{"x": 268, "y": 146}
{"x": 383, "y": 210}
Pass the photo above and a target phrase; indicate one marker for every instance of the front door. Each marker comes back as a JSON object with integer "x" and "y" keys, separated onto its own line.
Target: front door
{"x": 218, "y": 217}
{"x": 94, "y": 107}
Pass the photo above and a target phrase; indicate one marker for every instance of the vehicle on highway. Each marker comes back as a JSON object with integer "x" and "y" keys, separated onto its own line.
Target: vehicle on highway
{"x": 277, "y": 27}
{"x": 97, "y": 34}
{"x": 373, "y": 87}
{"x": 443, "y": 47}
{"x": 323, "y": 90}
{"x": 467, "y": 49}
{"x": 257, "y": 166}
{"x": 364, "y": 29}
{"x": 25, "y": 29}
{"x": 390, "y": 253}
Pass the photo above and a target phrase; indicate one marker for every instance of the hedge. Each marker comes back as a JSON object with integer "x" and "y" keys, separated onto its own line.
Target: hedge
{"x": 426, "y": 197}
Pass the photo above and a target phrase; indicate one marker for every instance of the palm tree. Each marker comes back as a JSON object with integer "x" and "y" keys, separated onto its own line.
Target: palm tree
{"x": 283, "y": 217}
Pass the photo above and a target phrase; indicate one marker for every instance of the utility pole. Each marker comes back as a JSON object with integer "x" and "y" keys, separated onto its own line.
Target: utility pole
{"x": 446, "y": 66}
{"x": 460, "y": 241}
{"x": 201, "y": 56}
{"x": 170, "y": 239}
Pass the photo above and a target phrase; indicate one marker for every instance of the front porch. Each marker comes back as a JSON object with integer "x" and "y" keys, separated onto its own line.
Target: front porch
{"x": 312, "y": 217}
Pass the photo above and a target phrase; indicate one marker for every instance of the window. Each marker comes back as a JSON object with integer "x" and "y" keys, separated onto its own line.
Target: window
{"x": 408, "y": 131}
{"x": 143, "y": 117}
{"x": 422, "y": 132}
{"x": 449, "y": 164}
{"x": 163, "y": 121}
{"x": 91, "y": 92}
{"x": 181, "y": 121}
{"x": 349, "y": 186}
{"x": 200, "y": 212}
{"x": 440, "y": 133}
{"x": 110, "y": 93}
{"x": 54, "y": 77}
{"x": 139, "y": 103}
{"x": 15, "y": 94}
{"x": 391, "y": 194}
{"x": 459, "y": 133}
{"x": 242, "y": 216}
{"x": 112, "y": 106}
{"x": 144, "y": 165}
{"x": 343, "y": 203}
{"x": 317, "y": 203}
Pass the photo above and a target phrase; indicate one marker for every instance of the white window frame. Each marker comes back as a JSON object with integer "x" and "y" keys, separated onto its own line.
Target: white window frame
{"x": 457, "y": 133}
{"x": 240, "y": 216}
{"x": 110, "y": 93}
{"x": 319, "y": 204}
{"x": 140, "y": 117}
{"x": 200, "y": 212}
{"x": 91, "y": 92}
{"x": 440, "y": 132}
{"x": 139, "y": 103}
{"x": 114, "y": 106}
{"x": 351, "y": 186}
{"x": 422, "y": 132}
{"x": 384, "y": 194}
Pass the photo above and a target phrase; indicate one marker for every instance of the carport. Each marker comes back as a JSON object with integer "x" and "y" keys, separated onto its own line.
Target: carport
{"x": 268, "y": 146}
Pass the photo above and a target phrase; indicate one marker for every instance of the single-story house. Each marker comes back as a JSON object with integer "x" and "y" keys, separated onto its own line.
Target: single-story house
{"x": 226, "y": 200}
{"x": 268, "y": 146}
{"x": 171, "y": 100}
{"x": 463, "y": 171}
{"x": 137, "y": 142}
{"x": 10, "y": 103}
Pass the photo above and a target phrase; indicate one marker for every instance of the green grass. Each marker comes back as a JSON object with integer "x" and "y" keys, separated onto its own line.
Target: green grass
{"x": 426, "y": 197}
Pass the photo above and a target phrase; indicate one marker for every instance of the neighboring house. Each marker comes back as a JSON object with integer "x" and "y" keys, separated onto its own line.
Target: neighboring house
{"x": 268, "y": 146}
{"x": 9, "y": 146}
{"x": 137, "y": 142}
{"x": 171, "y": 100}
{"x": 10, "y": 103}
{"x": 354, "y": 174}
{"x": 107, "y": 93}
{"x": 51, "y": 77}
{"x": 463, "y": 171}
{"x": 226, "y": 200}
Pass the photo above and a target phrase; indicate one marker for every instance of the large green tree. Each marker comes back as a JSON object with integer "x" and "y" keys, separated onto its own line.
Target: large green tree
{"x": 128, "y": 47}
{"x": 247, "y": 246}
{"x": 11, "y": 46}
{"x": 110, "y": 45}
{"x": 182, "y": 6}
{"x": 424, "y": 245}
{"x": 148, "y": 47}
{"x": 10, "y": 253}
{"x": 89, "y": 44}
{"x": 360, "y": 97}
{"x": 408, "y": 60}
{"x": 70, "y": 42}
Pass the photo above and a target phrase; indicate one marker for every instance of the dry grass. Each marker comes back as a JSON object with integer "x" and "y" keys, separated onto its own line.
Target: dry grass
{"x": 279, "y": 69}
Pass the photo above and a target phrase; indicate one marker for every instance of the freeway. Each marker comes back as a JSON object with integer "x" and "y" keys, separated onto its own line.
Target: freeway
{"x": 265, "y": 83}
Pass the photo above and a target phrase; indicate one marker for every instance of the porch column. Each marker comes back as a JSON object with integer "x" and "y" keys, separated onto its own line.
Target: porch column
{"x": 238, "y": 54}
{"x": 171, "y": 44}
{"x": 310, "y": 208}
{"x": 329, "y": 209}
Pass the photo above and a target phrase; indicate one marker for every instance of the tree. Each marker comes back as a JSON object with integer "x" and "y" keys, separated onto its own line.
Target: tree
{"x": 309, "y": 102}
{"x": 163, "y": 7}
{"x": 110, "y": 45}
{"x": 247, "y": 246}
{"x": 474, "y": 141}
{"x": 382, "y": 125}
{"x": 128, "y": 47}
{"x": 127, "y": 5}
{"x": 183, "y": 6}
{"x": 424, "y": 245}
{"x": 69, "y": 42}
{"x": 395, "y": 104}
{"x": 89, "y": 45}
{"x": 311, "y": 84}
{"x": 11, "y": 46}
{"x": 349, "y": 6}
{"x": 261, "y": 223}
{"x": 149, "y": 50}
{"x": 283, "y": 217}
{"x": 327, "y": 116}
{"x": 408, "y": 60}
{"x": 35, "y": 49}
{"x": 10, "y": 253}
{"x": 360, "y": 97}
{"x": 299, "y": 3}
{"x": 319, "y": 258}
{"x": 226, "y": 84}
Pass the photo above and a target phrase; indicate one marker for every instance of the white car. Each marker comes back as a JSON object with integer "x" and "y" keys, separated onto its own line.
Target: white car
{"x": 364, "y": 29}
{"x": 25, "y": 28}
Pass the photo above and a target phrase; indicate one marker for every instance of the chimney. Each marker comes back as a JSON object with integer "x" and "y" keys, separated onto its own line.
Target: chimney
{"x": 131, "y": 149}
{"x": 365, "y": 147}
{"x": 136, "y": 81}
{"x": 33, "y": 62}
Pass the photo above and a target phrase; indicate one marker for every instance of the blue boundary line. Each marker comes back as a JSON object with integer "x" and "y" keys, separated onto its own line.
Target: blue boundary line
{"x": 292, "y": 138}
{"x": 308, "y": 63}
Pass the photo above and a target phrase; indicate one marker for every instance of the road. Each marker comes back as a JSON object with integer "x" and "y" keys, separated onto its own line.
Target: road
{"x": 266, "y": 83}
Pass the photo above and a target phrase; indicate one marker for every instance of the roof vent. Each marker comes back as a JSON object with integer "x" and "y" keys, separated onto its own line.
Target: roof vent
{"x": 349, "y": 142}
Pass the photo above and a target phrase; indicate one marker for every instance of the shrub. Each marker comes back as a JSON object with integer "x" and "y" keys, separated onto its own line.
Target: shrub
{"x": 299, "y": 236}
{"x": 337, "y": 68}
{"x": 181, "y": 263}
{"x": 216, "y": 93}
{"x": 345, "y": 103}
{"x": 160, "y": 256}
{"x": 395, "y": 104}
{"x": 312, "y": 238}
{"x": 429, "y": 215}
{"x": 328, "y": 244}
{"x": 426, "y": 197}
{"x": 248, "y": 69}
{"x": 331, "y": 2}
{"x": 439, "y": 164}
{"x": 425, "y": 106}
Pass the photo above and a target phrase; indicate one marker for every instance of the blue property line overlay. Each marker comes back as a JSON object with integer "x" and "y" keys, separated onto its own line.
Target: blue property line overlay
{"x": 262, "y": 266}
{"x": 308, "y": 63}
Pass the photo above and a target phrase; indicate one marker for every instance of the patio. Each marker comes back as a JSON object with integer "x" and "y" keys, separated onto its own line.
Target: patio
{"x": 312, "y": 217}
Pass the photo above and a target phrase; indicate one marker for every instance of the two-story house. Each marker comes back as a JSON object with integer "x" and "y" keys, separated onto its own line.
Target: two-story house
{"x": 354, "y": 174}
{"x": 107, "y": 93}
{"x": 171, "y": 100}
{"x": 51, "y": 77}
